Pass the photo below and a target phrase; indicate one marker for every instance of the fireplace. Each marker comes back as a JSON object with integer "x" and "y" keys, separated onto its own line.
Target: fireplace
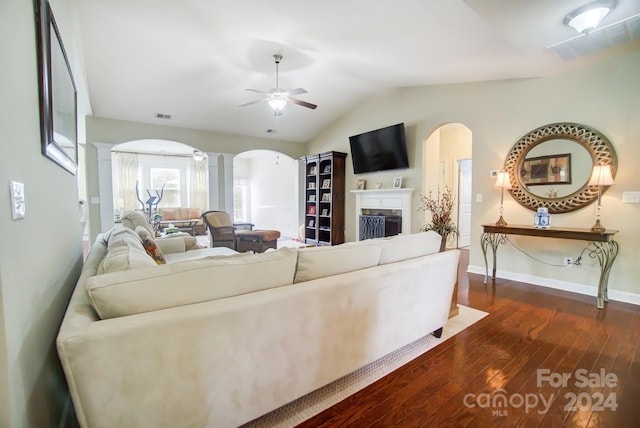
{"x": 382, "y": 212}
{"x": 379, "y": 226}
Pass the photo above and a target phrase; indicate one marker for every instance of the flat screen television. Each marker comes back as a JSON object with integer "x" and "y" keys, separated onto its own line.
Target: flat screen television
{"x": 379, "y": 150}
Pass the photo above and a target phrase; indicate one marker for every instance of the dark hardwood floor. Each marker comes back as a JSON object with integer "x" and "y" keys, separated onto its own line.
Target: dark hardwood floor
{"x": 538, "y": 353}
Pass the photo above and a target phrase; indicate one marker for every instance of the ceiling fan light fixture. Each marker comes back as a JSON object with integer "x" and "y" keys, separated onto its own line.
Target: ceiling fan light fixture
{"x": 587, "y": 18}
{"x": 277, "y": 104}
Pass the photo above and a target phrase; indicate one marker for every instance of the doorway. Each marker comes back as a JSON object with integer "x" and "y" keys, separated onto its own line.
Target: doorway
{"x": 447, "y": 164}
{"x": 464, "y": 203}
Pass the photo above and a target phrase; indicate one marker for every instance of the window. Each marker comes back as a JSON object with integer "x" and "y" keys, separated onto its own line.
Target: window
{"x": 241, "y": 200}
{"x": 170, "y": 179}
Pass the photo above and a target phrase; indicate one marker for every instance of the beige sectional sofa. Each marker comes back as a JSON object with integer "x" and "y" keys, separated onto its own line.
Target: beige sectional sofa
{"x": 218, "y": 340}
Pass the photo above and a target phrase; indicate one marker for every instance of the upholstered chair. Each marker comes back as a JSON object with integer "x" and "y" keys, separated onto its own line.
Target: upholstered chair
{"x": 239, "y": 236}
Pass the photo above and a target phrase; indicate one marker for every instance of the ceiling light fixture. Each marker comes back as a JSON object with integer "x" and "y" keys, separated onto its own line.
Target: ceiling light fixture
{"x": 198, "y": 155}
{"x": 587, "y": 18}
{"x": 278, "y": 102}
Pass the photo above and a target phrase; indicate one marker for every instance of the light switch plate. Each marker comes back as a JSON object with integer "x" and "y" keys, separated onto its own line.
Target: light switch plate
{"x": 18, "y": 208}
{"x": 493, "y": 173}
{"x": 631, "y": 197}
{"x": 478, "y": 197}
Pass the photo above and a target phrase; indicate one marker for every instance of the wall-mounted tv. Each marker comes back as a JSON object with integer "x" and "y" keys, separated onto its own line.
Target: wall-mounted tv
{"x": 379, "y": 150}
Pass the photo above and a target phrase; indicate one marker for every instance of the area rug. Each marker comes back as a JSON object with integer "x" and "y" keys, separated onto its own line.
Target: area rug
{"x": 311, "y": 404}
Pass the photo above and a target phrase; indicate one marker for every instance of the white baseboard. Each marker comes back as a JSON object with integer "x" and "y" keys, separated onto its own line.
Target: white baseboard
{"x": 573, "y": 287}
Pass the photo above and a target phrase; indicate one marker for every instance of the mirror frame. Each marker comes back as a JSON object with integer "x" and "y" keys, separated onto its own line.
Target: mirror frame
{"x": 599, "y": 147}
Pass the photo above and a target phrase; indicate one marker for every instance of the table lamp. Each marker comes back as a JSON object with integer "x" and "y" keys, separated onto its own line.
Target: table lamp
{"x": 502, "y": 182}
{"x": 600, "y": 176}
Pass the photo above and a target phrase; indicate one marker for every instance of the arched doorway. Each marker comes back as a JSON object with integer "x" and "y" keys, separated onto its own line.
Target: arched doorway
{"x": 448, "y": 164}
{"x": 175, "y": 172}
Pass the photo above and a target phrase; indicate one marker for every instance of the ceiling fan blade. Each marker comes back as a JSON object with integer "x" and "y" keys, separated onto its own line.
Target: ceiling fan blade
{"x": 302, "y": 103}
{"x": 255, "y": 90}
{"x": 253, "y": 102}
{"x": 297, "y": 91}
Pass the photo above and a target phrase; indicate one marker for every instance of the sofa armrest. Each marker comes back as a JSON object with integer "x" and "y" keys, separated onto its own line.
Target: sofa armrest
{"x": 171, "y": 245}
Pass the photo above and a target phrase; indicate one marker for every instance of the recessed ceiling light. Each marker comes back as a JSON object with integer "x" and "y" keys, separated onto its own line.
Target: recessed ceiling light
{"x": 163, "y": 116}
{"x": 271, "y": 131}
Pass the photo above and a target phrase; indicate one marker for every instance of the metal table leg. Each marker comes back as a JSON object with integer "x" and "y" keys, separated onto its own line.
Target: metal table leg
{"x": 493, "y": 239}
{"x": 606, "y": 253}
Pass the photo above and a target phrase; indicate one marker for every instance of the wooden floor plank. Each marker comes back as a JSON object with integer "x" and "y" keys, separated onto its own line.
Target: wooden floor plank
{"x": 529, "y": 328}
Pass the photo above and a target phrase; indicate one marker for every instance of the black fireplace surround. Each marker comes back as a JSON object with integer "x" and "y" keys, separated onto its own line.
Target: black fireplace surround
{"x": 379, "y": 226}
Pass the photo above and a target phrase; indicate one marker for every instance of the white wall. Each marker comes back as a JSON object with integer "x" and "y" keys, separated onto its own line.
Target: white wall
{"x": 41, "y": 255}
{"x": 602, "y": 95}
{"x": 274, "y": 191}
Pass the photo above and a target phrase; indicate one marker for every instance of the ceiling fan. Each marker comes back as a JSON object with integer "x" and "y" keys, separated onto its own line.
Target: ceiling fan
{"x": 278, "y": 98}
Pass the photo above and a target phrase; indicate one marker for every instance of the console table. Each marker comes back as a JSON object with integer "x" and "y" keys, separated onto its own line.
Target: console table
{"x": 601, "y": 246}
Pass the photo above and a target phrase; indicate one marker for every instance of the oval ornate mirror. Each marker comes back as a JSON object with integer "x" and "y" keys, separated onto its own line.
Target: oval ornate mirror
{"x": 551, "y": 166}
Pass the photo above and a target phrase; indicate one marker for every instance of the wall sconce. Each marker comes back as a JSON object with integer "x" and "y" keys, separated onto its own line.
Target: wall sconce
{"x": 502, "y": 182}
{"x": 600, "y": 176}
{"x": 587, "y": 18}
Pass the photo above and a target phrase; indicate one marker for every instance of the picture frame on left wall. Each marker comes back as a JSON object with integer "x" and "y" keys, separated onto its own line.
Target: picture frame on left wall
{"x": 58, "y": 94}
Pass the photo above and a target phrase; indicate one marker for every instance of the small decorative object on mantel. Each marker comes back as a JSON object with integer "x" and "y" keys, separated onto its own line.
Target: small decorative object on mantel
{"x": 441, "y": 208}
{"x": 542, "y": 218}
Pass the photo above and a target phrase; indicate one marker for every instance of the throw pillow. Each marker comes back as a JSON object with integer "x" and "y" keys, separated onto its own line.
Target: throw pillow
{"x": 150, "y": 245}
{"x": 152, "y": 249}
{"x": 133, "y": 219}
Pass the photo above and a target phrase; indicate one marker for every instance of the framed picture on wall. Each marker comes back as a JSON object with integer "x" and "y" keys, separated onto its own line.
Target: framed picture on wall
{"x": 58, "y": 95}
{"x": 552, "y": 169}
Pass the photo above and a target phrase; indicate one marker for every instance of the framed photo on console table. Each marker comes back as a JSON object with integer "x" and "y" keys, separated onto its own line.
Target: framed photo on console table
{"x": 58, "y": 111}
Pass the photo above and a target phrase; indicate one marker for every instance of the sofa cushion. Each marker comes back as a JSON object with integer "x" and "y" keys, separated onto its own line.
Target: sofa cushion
{"x": 171, "y": 245}
{"x": 408, "y": 246}
{"x": 318, "y": 262}
{"x": 143, "y": 290}
{"x": 169, "y": 214}
{"x": 124, "y": 252}
{"x": 194, "y": 213}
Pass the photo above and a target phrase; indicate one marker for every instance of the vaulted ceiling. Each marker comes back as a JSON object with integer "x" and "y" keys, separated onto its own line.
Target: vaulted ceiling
{"x": 194, "y": 59}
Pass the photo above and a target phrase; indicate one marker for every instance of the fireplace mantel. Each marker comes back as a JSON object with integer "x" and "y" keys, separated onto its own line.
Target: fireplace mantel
{"x": 386, "y": 199}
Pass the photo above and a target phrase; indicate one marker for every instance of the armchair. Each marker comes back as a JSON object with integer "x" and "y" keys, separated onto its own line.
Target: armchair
{"x": 239, "y": 236}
